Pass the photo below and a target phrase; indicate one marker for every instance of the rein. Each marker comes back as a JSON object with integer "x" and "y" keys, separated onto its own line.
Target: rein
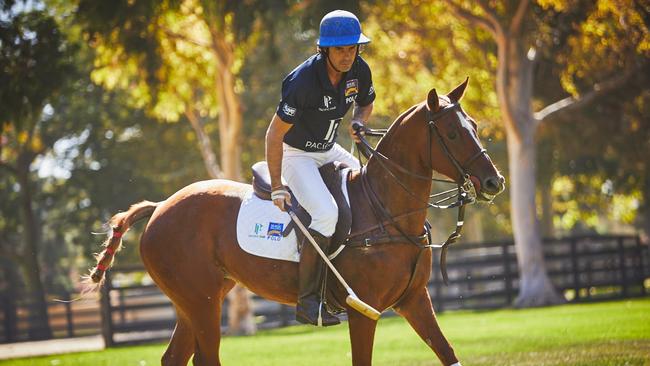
{"x": 465, "y": 191}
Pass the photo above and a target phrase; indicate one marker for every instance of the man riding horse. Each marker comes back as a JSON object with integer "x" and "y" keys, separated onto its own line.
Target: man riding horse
{"x": 301, "y": 138}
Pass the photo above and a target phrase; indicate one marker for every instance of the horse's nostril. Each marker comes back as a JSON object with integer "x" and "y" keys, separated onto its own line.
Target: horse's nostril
{"x": 494, "y": 184}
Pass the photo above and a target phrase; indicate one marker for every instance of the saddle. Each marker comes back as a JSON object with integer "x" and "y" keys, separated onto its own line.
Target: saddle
{"x": 332, "y": 174}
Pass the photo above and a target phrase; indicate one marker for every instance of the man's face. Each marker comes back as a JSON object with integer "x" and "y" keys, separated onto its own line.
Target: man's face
{"x": 342, "y": 57}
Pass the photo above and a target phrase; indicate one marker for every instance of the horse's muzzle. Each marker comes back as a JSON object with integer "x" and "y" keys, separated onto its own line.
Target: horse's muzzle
{"x": 489, "y": 187}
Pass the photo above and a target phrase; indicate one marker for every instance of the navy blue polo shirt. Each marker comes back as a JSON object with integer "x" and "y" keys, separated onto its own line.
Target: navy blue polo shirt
{"x": 315, "y": 108}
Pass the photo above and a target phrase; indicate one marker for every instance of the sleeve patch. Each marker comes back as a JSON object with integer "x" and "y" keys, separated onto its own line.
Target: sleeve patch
{"x": 288, "y": 110}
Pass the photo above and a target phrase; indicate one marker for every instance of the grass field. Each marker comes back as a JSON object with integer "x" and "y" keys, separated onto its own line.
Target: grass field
{"x": 611, "y": 333}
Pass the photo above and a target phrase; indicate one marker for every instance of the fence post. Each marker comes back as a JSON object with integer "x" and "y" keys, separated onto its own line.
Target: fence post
{"x": 107, "y": 320}
{"x": 642, "y": 271}
{"x": 574, "y": 268}
{"x": 10, "y": 316}
{"x": 507, "y": 273}
{"x": 121, "y": 303}
{"x": 68, "y": 314}
{"x": 621, "y": 264}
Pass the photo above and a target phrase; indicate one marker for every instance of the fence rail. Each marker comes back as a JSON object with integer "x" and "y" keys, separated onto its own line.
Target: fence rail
{"x": 66, "y": 320}
{"x": 481, "y": 276}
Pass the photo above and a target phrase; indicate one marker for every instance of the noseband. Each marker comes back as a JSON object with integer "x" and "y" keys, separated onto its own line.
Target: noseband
{"x": 465, "y": 192}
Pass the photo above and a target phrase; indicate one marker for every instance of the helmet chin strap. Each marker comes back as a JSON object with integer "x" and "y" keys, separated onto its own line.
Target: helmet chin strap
{"x": 327, "y": 54}
{"x": 332, "y": 64}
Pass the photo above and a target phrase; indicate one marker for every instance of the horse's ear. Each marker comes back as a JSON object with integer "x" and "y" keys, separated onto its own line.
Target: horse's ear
{"x": 433, "y": 103}
{"x": 456, "y": 94}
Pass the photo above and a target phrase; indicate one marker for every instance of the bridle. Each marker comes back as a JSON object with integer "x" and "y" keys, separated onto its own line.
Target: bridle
{"x": 465, "y": 191}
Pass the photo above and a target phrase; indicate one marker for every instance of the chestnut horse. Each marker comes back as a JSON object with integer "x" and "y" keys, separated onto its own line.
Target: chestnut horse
{"x": 190, "y": 248}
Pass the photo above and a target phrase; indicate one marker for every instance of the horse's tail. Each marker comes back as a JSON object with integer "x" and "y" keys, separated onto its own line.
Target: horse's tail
{"x": 119, "y": 224}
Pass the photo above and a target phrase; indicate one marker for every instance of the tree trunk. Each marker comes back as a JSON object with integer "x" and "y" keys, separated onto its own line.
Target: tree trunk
{"x": 240, "y": 311}
{"x": 535, "y": 287}
{"x": 205, "y": 145}
{"x": 230, "y": 125}
{"x": 39, "y": 327}
{"x": 8, "y": 303}
{"x": 515, "y": 88}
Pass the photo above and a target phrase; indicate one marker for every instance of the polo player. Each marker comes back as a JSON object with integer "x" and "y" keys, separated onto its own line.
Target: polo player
{"x": 301, "y": 138}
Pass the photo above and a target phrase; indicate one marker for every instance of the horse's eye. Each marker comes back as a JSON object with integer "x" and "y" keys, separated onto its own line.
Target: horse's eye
{"x": 452, "y": 135}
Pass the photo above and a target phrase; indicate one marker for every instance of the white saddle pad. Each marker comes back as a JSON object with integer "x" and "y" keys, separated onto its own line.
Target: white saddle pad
{"x": 260, "y": 225}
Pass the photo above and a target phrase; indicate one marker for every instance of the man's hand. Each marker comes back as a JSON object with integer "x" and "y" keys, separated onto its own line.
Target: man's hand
{"x": 354, "y": 126}
{"x": 281, "y": 198}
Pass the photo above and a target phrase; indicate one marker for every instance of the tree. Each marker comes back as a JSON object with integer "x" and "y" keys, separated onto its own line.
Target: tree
{"x": 519, "y": 30}
{"x": 409, "y": 54}
{"x": 35, "y": 66}
{"x": 182, "y": 59}
{"x": 612, "y": 134}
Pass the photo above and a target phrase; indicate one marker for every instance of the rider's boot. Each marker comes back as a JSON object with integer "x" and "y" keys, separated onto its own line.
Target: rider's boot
{"x": 310, "y": 276}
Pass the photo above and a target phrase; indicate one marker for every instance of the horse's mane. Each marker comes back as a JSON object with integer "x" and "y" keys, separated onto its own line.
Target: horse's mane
{"x": 395, "y": 125}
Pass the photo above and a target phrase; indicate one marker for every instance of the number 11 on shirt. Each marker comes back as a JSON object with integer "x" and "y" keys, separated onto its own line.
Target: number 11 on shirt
{"x": 334, "y": 124}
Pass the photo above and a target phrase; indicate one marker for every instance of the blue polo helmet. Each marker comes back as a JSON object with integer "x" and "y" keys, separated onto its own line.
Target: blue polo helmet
{"x": 340, "y": 28}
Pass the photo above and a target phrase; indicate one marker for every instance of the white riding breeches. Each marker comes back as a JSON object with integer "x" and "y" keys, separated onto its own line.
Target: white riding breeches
{"x": 300, "y": 171}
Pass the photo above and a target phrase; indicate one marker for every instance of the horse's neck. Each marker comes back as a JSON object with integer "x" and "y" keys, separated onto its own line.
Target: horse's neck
{"x": 405, "y": 147}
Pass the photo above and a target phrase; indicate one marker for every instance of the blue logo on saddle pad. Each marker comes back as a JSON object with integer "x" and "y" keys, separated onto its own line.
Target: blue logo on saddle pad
{"x": 275, "y": 231}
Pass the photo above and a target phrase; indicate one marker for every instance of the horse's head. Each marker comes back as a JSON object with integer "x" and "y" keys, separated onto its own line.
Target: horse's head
{"x": 455, "y": 149}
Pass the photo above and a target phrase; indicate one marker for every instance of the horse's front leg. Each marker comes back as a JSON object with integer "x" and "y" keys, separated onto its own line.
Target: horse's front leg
{"x": 418, "y": 311}
{"x": 362, "y": 336}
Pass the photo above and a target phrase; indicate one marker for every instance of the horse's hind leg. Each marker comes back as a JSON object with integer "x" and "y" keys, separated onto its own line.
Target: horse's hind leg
{"x": 418, "y": 311}
{"x": 181, "y": 346}
{"x": 206, "y": 326}
{"x": 198, "y": 329}
{"x": 362, "y": 336}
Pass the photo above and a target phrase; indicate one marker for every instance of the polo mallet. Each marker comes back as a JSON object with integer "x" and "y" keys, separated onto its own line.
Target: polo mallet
{"x": 352, "y": 298}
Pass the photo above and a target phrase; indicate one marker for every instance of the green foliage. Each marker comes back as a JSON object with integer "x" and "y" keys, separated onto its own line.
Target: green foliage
{"x": 410, "y": 54}
{"x": 604, "y": 160}
{"x": 34, "y": 64}
{"x": 167, "y": 54}
{"x": 88, "y": 156}
{"x": 417, "y": 46}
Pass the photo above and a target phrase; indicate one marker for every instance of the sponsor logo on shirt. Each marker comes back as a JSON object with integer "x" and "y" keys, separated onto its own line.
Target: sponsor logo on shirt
{"x": 372, "y": 90}
{"x": 318, "y": 145}
{"x": 327, "y": 104}
{"x": 351, "y": 99}
{"x": 275, "y": 231}
{"x": 351, "y": 87}
{"x": 288, "y": 110}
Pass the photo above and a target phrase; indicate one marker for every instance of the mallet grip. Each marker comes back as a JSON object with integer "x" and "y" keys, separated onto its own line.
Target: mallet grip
{"x": 362, "y": 307}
